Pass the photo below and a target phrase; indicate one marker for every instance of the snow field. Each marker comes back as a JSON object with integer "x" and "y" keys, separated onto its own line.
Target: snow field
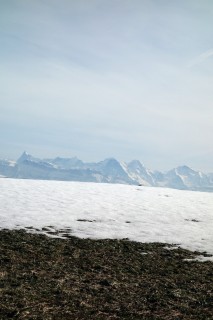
{"x": 97, "y": 210}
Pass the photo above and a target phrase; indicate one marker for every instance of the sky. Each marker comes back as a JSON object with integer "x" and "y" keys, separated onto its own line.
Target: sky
{"x": 130, "y": 79}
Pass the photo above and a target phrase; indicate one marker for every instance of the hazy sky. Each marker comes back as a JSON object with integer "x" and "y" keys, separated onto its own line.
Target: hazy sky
{"x": 131, "y": 79}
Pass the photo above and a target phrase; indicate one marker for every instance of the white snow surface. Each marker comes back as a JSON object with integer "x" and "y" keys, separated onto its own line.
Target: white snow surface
{"x": 116, "y": 211}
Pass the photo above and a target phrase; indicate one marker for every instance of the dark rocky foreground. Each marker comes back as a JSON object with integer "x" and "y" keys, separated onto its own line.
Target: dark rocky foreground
{"x": 45, "y": 278}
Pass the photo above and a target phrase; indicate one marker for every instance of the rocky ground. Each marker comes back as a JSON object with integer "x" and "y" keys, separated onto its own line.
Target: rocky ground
{"x": 50, "y": 278}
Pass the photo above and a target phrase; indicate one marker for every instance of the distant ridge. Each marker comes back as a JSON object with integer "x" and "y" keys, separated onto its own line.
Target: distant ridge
{"x": 108, "y": 171}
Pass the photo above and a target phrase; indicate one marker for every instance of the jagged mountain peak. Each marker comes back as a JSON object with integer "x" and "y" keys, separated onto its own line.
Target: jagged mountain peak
{"x": 135, "y": 164}
{"x": 108, "y": 170}
{"x": 66, "y": 163}
{"x": 185, "y": 170}
{"x": 110, "y": 164}
{"x": 110, "y": 160}
{"x": 25, "y": 156}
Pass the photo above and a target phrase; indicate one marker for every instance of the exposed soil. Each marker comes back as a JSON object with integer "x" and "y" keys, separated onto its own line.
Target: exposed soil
{"x": 49, "y": 278}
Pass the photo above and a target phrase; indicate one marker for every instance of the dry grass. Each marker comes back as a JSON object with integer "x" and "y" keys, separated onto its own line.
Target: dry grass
{"x": 44, "y": 278}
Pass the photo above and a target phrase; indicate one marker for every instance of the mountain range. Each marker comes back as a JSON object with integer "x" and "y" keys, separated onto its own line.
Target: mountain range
{"x": 107, "y": 171}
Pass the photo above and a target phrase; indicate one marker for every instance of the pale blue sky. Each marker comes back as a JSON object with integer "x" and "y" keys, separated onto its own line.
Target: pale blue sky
{"x": 102, "y": 78}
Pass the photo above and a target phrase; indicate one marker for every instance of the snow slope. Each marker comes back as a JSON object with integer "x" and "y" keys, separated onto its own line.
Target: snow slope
{"x": 110, "y": 211}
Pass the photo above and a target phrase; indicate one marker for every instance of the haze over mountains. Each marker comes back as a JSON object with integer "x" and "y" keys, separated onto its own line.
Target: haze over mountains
{"x": 107, "y": 171}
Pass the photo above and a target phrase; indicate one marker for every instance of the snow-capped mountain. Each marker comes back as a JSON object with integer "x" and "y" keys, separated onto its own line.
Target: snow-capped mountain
{"x": 67, "y": 163}
{"x": 113, "y": 171}
{"x": 108, "y": 171}
{"x": 188, "y": 178}
{"x": 28, "y": 167}
{"x": 137, "y": 171}
{"x": 27, "y": 157}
